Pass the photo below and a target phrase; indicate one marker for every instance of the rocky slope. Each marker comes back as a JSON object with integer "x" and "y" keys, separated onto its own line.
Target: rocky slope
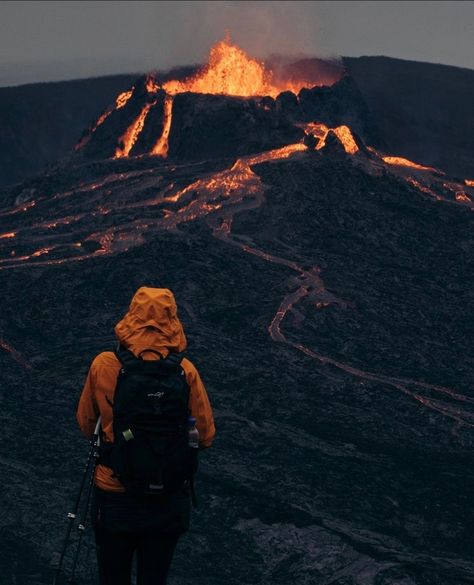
{"x": 42, "y": 122}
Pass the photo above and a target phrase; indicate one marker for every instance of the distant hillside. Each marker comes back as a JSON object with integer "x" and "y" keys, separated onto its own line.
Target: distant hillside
{"x": 42, "y": 121}
{"x": 422, "y": 111}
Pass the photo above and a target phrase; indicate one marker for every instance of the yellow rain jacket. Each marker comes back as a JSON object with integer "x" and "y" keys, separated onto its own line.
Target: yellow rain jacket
{"x": 152, "y": 323}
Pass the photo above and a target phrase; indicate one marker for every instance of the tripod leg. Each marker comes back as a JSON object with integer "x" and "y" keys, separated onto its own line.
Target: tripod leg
{"x": 72, "y": 515}
{"x": 82, "y": 524}
{"x": 85, "y": 510}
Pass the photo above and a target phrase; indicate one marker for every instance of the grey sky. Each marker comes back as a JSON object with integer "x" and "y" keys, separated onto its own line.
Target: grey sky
{"x": 41, "y": 41}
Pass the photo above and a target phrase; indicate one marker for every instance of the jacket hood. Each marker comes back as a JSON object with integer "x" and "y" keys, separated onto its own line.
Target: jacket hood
{"x": 152, "y": 322}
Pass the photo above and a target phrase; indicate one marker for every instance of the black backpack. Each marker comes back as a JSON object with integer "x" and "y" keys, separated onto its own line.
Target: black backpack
{"x": 150, "y": 453}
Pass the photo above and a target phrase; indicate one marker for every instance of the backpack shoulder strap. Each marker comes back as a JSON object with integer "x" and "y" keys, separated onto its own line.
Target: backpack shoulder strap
{"x": 175, "y": 358}
{"x": 129, "y": 361}
{"x": 125, "y": 356}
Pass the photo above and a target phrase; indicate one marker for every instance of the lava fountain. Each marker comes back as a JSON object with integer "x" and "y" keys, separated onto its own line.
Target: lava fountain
{"x": 231, "y": 71}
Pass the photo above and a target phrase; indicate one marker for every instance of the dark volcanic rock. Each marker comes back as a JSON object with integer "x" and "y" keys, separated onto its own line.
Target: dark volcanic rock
{"x": 333, "y": 145}
{"x": 353, "y": 468}
{"x": 287, "y": 103}
{"x": 340, "y": 104}
{"x": 311, "y": 141}
{"x": 210, "y": 126}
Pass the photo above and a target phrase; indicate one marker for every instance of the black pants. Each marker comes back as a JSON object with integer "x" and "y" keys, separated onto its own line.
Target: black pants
{"x": 149, "y": 528}
{"x": 115, "y": 550}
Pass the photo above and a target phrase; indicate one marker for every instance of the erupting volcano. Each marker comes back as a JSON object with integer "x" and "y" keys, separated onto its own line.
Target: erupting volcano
{"x": 148, "y": 109}
{"x": 323, "y": 282}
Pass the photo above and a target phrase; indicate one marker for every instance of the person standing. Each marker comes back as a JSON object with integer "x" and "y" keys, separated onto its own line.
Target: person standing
{"x": 129, "y": 522}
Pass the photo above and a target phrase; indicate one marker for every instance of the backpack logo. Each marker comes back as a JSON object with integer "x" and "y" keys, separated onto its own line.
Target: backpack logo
{"x": 157, "y": 395}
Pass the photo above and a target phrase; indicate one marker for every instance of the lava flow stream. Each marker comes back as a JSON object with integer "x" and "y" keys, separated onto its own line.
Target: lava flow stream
{"x": 120, "y": 102}
{"x": 162, "y": 146}
{"x": 127, "y": 141}
{"x": 218, "y": 197}
{"x": 311, "y": 288}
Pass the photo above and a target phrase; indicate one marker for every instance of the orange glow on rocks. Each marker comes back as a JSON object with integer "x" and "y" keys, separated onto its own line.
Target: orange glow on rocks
{"x": 469, "y": 183}
{"x": 423, "y": 188}
{"x": 231, "y": 71}
{"x": 461, "y": 196}
{"x": 7, "y": 235}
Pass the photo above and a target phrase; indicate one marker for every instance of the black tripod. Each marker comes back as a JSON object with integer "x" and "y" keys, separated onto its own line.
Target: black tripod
{"x": 89, "y": 470}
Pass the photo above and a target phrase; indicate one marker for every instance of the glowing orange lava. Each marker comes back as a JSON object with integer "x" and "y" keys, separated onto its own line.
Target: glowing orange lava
{"x": 404, "y": 162}
{"x": 239, "y": 181}
{"x": 131, "y": 134}
{"x": 469, "y": 183}
{"x": 276, "y": 154}
{"x": 41, "y": 252}
{"x": 120, "y": 101}
{"x": 7, "y": 235}
{"x": 152, "y": 86}
{"x": 344, "y": 134}
{"x": 461, "y": 196}
{"x": 231, "y": 71}
{"x": 161, "y": 147}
